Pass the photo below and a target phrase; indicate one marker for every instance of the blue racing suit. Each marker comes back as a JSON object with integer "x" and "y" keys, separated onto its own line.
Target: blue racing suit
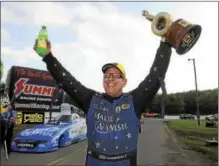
{"x": 113, "y": 122}
{"x": 8, "y": 115}
{"x": 7, "y": 133}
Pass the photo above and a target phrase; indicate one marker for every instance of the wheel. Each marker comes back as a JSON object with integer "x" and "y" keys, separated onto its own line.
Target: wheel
{"x": 60, "y": 140}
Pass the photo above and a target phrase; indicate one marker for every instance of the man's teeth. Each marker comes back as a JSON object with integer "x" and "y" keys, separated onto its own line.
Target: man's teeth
{"x": 111, "y": 84}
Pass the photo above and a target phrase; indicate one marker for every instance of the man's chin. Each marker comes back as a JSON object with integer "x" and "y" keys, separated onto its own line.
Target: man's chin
{"x": 112, "y": 94}
{"x": 109, "y": 93}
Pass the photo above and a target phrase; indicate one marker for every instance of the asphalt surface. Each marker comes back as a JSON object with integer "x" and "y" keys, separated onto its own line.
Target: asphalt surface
{"x": 157, "y": 147}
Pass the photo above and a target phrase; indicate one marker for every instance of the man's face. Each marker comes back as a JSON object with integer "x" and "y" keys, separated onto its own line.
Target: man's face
{"x": 113, "y": 82}
{"x": 9, "y": 107}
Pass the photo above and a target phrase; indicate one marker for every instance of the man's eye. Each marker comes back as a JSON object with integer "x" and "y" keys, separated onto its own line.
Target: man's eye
{"x": 106, "y": 75}
{"x": 116, "y": 75}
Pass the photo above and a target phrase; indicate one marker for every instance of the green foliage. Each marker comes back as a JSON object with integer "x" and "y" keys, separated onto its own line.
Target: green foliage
{"x": 185, "y": 102}
{"x": 1, "y": 69}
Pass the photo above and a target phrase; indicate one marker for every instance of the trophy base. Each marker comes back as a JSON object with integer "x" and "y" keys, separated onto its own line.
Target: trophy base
{"x": 189, "y": 40}
{"x": 183, "y": 35}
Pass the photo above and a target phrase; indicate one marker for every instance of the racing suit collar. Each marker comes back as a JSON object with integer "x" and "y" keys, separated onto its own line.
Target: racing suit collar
{"x": 110, "y": 98}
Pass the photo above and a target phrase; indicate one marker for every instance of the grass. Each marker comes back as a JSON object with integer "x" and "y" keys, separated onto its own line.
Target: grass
{"x": 195, "y": 136}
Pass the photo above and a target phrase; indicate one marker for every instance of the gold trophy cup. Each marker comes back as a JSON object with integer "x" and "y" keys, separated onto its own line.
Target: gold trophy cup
{"x": 181, "y": 34}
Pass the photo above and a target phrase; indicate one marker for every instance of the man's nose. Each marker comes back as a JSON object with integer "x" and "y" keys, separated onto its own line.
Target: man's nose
{"x": 110, "y": 77}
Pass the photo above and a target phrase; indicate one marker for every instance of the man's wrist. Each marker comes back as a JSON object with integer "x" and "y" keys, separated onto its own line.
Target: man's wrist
{"x": 47, "y": 57}
{"x": 163, "y": 39}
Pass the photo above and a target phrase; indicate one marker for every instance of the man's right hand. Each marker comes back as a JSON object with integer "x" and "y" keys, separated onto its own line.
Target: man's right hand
{"x": 48, "y": 49}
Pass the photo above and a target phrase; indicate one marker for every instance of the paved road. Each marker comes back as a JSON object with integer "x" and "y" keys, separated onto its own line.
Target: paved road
{"x": 156, "y": 147}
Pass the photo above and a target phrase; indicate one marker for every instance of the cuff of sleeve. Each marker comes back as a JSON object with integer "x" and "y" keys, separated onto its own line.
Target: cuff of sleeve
{"x": 165, "y": 43}
{"x": 48, "y": 57}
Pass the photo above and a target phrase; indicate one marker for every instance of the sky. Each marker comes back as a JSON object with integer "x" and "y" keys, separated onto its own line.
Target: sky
{"x": 85, "y": 36}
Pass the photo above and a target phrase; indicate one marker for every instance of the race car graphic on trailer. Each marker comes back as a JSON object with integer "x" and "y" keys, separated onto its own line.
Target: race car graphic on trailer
{"x": 64, "y": 130}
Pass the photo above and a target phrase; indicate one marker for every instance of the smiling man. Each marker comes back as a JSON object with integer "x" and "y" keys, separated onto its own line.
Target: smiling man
{"x": 114, "y": 79}
{"x": 113, "y": 117}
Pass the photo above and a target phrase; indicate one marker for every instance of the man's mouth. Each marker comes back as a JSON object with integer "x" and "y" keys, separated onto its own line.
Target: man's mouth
{"x": 111, "y": 85}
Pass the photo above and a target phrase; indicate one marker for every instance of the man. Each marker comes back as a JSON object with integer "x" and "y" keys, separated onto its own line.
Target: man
{"x": 2, "y": 90}
{"x": 9, "y": 116}
{"x": 2, "y": 123}
{"x": 142, "y": 123}
{"x": 113, "y": 117}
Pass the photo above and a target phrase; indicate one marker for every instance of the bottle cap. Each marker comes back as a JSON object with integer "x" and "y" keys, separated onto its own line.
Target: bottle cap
{"x": 43, "y": 27}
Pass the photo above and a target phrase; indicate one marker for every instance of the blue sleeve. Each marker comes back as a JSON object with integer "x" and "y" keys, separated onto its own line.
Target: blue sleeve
{"x": 4, "y": 115}
{"x": 14, "y": 114}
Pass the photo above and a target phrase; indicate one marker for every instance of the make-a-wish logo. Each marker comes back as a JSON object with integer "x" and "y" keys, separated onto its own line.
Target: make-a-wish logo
{"x": 103, "y": 127}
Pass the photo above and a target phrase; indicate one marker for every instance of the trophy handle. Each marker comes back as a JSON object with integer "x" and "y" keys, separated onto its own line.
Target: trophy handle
{"x": 161, "y": 23}
{"x": 148, "y": 16}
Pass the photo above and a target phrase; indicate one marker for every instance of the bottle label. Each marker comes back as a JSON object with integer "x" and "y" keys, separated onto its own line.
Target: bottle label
{"x": 42, "y": 43}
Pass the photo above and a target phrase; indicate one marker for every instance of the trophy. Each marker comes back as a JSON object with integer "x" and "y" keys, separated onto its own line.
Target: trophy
{"x": 181, "y": 34}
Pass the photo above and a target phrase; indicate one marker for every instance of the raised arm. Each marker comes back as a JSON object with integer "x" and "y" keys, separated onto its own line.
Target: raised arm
{"x": 149, "y": 87}
{"x": 71, "y": 86}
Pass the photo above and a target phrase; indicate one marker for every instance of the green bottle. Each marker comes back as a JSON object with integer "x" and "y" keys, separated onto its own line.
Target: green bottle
{"x": 41, "y": 42}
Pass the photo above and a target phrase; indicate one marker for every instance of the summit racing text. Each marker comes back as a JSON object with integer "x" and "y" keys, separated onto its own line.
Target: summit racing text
{"x": 34, "y": 105}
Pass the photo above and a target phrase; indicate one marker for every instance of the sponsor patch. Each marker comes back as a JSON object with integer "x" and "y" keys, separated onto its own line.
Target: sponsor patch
{"x": 125, "y": 106}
